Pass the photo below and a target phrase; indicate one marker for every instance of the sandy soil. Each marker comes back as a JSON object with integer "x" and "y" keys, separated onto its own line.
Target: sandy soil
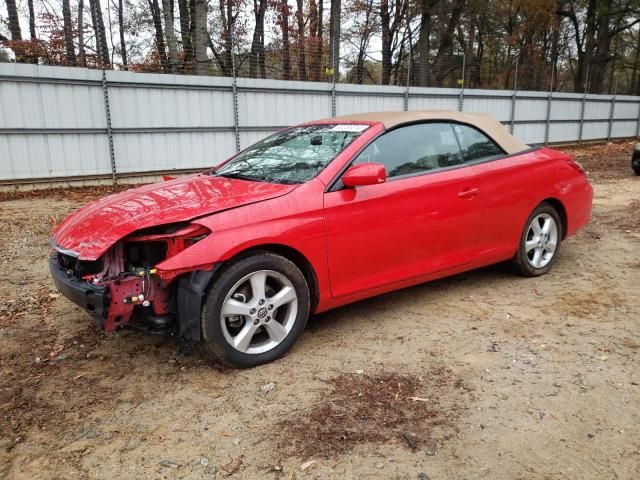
{"x": 483, "y": 375}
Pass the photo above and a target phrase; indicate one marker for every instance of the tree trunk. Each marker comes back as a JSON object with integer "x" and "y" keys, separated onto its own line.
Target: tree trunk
{"x": 226, "y": 8}
{"x": 82, "y": 61}
{"x": 68, "y": 33}
{"x": 157, "y": 23}
{"x": 424, "y": 44}
{"x": 446, "y": 42}
{"x": 14, "y": 21}
{"x": 284, "y": 25}
{"x": 314, "y": 61}
{"x": 635, "y": 79}
{"x": 123, "y": 45}
{"x": 98, "y": 27}
{"x": 200, "y": 37}
{"x": 320, "y": 36}
{"x": 603, "y": 45}
{"x": 555, "y": 52}
{"x": 256, "y": 61}
{"x": 32, "y": 20}
{"x": 334, "y": 37}
{"x": 170, "y": 33}
{"x": 385, "y": 19}
{"x": 584, "y": 56}
{"x": 302, "y": 61}
{"x": 364, "y": 42}
{"x": 185, "y": 33}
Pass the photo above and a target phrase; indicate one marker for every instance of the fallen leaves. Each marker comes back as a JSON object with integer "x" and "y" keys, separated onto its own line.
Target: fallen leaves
{"x": 368, "y": 408}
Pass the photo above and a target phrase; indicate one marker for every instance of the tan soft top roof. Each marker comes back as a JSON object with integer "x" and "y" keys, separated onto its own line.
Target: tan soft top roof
{"x": 483, "y": 121}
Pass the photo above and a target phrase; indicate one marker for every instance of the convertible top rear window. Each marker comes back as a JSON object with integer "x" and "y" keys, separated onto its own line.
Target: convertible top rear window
{"x": 294, "y": 155}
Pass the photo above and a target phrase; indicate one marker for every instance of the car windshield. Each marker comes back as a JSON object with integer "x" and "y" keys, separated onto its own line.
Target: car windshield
{"x": 294, "y": 155}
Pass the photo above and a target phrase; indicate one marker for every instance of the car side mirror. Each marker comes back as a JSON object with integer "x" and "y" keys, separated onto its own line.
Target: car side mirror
{"x": 364, "y": 174}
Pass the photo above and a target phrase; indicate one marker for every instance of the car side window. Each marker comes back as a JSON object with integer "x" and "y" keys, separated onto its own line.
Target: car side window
{"x": 475, "y": 145}
{"x": 414, "y": 149}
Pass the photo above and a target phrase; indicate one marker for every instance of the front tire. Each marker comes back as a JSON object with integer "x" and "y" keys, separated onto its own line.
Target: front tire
{"x": 255, "y": 310}
{"x": 539, "y": 242}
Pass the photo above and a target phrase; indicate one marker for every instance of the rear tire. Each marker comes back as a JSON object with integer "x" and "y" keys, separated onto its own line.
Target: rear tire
{"x": 254, "y": 311}
{"x": 539, "y": 242}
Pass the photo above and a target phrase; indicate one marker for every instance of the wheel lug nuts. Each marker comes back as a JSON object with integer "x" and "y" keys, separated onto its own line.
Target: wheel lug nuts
{"x": 256, "y": 321}
{"x": 252, "y": 311}
{"x": 268, "y": 319}
{"x": 270, "y": 307}
{"x": 261, "y": 302}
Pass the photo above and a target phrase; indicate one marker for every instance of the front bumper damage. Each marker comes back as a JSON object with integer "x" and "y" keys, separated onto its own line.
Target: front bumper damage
{"x": 112, "y": 303}
{"x": 90, "y": 297}
{"x": 117, "y": 291}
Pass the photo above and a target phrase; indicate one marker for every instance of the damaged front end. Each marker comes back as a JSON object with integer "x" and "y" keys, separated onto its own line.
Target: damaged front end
{"x": 125, "y": 286}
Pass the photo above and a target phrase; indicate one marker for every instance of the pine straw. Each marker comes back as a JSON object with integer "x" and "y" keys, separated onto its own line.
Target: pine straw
{"x": 73, "y": 194}
{"x": 605, "y": 161}
{"x": 374, "y": 409}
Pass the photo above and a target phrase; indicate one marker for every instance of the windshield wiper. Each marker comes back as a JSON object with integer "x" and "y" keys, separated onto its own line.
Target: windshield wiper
{"x": 239, "y": 176}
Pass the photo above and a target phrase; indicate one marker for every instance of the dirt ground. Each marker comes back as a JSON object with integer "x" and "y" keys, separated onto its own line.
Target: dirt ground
{"x": 483, "y": 375}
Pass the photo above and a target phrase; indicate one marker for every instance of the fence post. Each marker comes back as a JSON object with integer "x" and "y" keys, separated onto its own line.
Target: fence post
{"x": 582, "y": 111}
{"x": 107, "y": 110}
{"x": 513, "y": 100}
{"x": 234, "y": 92}
{"x": 461, "y": 98}
{"x": 333, "y": 99}
{"x": 549, "y": 101}
{"x": 406, "y": 91}
{"x": 612, "y": 107}
{"x": 331, "y": 70}
{"x": 638, "y": 122}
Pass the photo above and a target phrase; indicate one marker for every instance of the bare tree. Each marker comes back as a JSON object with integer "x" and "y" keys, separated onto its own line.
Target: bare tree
{"x": 185, "y": 33}
{"x": 228, "y": 18}
{"x": 424, "y": 41}
{"x": 32, "y": 20}
{"x": 170, "y": 33}
{"x": 302, "y": 61}
{"x": 200, "y": 36}
{"x": 315, "y": 39}
{"x": 68, "y": 33}
{"x": 156, "y": 16}
{"x": 98, "y": 27}
{"x": 256, "y": 60}
{"x": 334, "y": 37}
{"x": 283, "y": 21}
{"x": 363, "y": 26}
{"x": 392, "y": 17}
{"x": 450, "y": 17}
{"x": 14, "y": 21}
{"x": 123, "y": 45}
{"x": 82, "y": 61}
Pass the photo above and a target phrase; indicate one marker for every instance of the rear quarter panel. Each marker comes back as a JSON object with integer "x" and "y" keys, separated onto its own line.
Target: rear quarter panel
{"x": 574, "y": 190}
{"x": 513, "y": 186}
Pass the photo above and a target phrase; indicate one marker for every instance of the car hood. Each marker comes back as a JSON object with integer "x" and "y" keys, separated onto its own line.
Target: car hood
{"x": 90, "y": 231}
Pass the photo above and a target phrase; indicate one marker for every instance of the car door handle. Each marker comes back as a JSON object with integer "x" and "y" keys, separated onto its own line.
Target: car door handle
{"x": 469, "y": 193}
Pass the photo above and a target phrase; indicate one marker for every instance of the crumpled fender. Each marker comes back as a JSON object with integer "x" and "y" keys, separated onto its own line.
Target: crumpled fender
{"x": 293, "y": 222}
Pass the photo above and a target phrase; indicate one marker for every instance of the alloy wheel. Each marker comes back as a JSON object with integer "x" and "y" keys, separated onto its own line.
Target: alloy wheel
{"x": 259, "y": 311}
{"x": 541, "y": 240}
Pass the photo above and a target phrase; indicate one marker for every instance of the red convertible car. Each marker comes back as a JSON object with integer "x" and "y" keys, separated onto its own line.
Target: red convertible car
{"x": 315, "y": 216}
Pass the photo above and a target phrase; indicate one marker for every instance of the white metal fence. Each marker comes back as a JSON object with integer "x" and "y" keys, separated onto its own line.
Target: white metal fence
{"x": 59, "y": 123}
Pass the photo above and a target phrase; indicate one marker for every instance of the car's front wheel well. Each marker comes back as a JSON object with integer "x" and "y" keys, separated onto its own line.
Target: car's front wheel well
{"x": 562, "y": 213}
{"x": 294, "y": 256}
